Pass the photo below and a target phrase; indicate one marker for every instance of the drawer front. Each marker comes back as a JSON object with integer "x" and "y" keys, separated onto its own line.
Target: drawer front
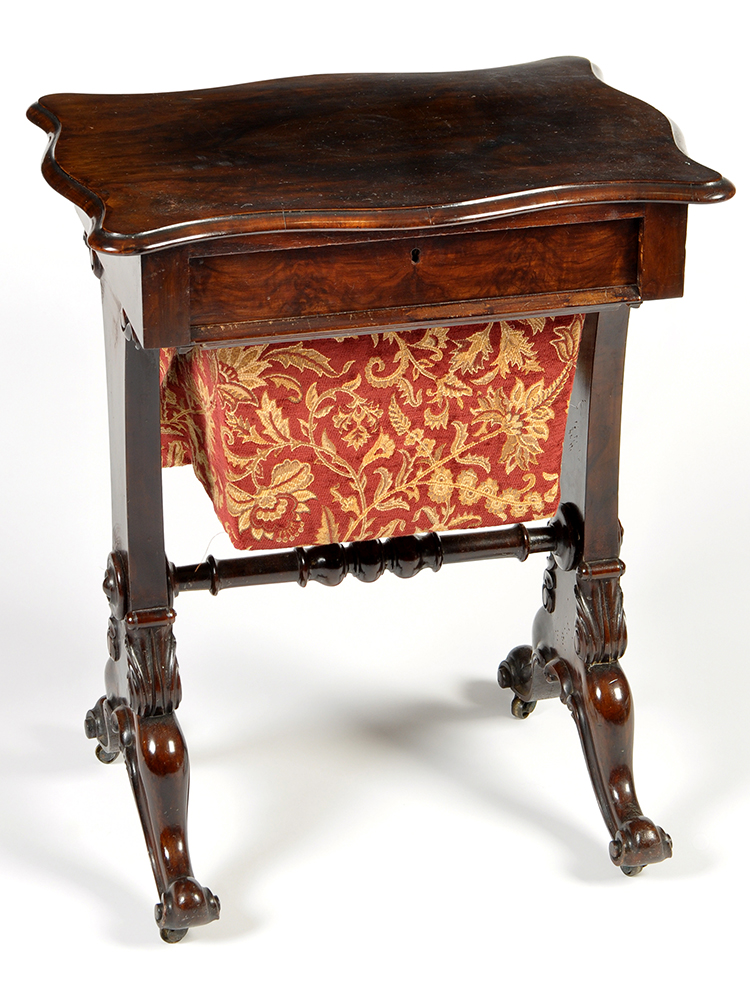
{"x": 410, "y": 273}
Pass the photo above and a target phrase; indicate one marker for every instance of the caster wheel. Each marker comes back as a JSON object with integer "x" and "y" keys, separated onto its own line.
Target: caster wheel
{"x": 106, "y": 757}
{"x": 520, "y": 708}
{"x": 172, "y": 936}
{"x": 632, "y": 870}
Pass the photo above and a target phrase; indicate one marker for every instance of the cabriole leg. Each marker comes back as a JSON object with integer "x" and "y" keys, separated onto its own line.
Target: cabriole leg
{"x": 136, "y": 717}
{"x": 580, "y": 643}
{"x": 579, "y": 634}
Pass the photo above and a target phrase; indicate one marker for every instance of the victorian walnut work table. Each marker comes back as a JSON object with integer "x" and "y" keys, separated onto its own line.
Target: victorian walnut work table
{"x": 385, "y": 316}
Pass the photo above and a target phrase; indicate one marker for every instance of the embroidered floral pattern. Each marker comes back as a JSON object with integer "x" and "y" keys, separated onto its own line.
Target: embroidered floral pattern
{"x": 372, "y": 436}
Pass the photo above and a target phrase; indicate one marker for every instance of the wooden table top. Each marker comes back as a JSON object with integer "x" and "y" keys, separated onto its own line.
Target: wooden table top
{"x": 359, "y": 152}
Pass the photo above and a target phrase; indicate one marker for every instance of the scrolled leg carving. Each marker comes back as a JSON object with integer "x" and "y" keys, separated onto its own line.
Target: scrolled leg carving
{"x": 582, "y": 641}
{"x": 185, "y": 904}
{"x": 637, "y": 843}
{"x": 523, "y": 670}
{"x": 579, "y": 634}
{"x": 137, "y": 719}
{"x": 159, "y": 772}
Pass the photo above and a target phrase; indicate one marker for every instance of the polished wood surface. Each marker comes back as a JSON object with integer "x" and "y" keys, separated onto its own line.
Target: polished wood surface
{"x": 359, "y": 151}
{"x": 329, "y": 206}
{"x": 365, "y": 560}
{"x": 438, "y": 270}
{"x": 579, "y": 634}
{"x": 260, "y": 288}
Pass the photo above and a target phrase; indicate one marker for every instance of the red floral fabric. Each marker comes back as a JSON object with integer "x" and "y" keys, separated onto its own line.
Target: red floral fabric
{"x": 377, "y": 435}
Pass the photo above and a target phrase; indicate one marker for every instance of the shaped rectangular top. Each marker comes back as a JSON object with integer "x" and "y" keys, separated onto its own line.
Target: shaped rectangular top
{"x": 359, "y": 152}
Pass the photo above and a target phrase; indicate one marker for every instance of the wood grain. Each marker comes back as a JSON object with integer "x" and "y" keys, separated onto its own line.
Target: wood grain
{"x": 430, "y": 270}
{"x": 359, "y": 151}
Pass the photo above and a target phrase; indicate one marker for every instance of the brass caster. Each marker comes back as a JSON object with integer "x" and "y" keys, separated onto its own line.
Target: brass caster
{"x": 632, "y": 870}
{"x": 520, "y": 708}
{"x": 105, "y": 757}
{"x": 101, "y": 724}
{"x": 172, "y": 936}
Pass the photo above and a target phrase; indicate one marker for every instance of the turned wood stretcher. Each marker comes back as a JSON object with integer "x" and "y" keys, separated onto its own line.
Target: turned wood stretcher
{"x": 452, "y": 230}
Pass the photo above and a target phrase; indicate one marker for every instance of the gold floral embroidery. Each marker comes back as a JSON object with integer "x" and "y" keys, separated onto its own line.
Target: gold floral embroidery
{"x": 371, "y": 436}
{"x": 522, "y": 417}
{"x": 357, "y": 422}
{"x": 274, "y": 511}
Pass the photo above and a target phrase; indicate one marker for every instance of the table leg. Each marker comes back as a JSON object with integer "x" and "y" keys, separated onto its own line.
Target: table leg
{"x": 579, "y": 634}
{"x": 137, "y": 715}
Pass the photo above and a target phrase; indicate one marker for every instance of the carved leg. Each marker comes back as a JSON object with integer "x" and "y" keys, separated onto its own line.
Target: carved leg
{"x": 524, "y": 670}
{"x": 137, "y": 715}
{"x": 579, "y": 634}
{"x": 136, "y": 718}
{"x": 581, "y": 642}
{"x": 159, "y": 772}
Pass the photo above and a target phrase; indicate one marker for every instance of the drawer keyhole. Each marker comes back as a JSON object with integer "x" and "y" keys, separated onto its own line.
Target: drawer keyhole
{"x": 415, "y": 256}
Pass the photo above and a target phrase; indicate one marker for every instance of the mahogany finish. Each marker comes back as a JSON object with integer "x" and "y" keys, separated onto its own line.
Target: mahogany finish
{"x": 366, "y": 560}
{"x": 359, "y": 151}
{"x": 579, "y": 634}
{"x": 329, "y": 280}
{"x": 336, "y": 205}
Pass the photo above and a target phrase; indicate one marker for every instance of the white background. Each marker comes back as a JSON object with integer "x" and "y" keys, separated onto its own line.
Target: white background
{"x": 362, "y": 801}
